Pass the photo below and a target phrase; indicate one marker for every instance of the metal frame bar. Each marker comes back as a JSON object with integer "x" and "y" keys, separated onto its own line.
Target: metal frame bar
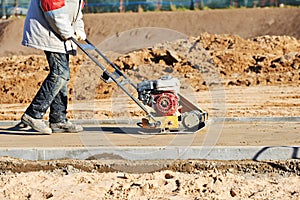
{"x": 96, "y": 61}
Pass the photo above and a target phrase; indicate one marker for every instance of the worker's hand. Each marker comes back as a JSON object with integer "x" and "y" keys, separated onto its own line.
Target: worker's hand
{"x": 80, "y": 35}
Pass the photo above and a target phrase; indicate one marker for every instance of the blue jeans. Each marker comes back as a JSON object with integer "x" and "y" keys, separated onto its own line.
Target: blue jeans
{"x": 54, "y": 91}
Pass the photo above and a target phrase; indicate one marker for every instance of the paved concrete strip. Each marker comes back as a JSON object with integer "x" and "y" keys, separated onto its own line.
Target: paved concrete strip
{"x": 134, "y": 121}
{"x": 156, "y": 153}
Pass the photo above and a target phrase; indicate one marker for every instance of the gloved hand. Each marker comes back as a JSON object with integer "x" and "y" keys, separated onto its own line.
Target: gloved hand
{"x": 80, "y": 35}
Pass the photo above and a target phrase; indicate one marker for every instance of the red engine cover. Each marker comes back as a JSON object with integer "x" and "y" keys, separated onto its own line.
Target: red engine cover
{"x": 166, "y": 103}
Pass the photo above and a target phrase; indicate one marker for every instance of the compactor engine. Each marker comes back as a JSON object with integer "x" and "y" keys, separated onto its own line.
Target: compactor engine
{"x": 161, "y": 95}
{"x": 172, "y": 111}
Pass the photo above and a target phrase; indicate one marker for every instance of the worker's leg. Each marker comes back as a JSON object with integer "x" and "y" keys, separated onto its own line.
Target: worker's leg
{"x": 54, "y": 84}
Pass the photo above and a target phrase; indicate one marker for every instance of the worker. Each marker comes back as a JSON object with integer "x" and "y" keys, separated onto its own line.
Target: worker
{"x": 49, "y": 26}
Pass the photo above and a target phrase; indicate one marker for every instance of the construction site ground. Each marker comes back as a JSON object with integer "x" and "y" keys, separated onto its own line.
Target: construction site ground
{"x": 239, "y": 65}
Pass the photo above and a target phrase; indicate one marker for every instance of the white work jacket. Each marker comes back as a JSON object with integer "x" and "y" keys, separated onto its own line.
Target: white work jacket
{"x": 50, "y": 24}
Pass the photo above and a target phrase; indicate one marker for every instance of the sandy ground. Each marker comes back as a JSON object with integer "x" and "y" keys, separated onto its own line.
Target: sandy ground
{"x": 175, "y": 180}
{"x": 234, "y": 63}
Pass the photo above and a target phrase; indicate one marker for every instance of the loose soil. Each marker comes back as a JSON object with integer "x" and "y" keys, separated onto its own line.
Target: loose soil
{"x": 72, "y": 179}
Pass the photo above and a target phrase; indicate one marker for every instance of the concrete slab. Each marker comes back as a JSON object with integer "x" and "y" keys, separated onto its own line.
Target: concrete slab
{"x": 237, "y": 139}
{"x": 156, "y": 153}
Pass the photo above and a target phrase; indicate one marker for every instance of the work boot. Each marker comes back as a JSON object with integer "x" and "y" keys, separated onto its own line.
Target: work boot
{"x": 65, "y": 127}
{"x": 106, "y": 78}
{"x": 37, "y": 124}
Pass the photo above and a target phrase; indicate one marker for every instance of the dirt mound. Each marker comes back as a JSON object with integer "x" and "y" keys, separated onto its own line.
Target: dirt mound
{"x": 202, "y": 62}
{"x": 21, "y": 76}
{"x": 266, "y": 60}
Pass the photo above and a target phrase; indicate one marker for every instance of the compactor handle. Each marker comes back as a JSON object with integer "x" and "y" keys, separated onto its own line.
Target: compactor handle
{"x": 113, "y": 76}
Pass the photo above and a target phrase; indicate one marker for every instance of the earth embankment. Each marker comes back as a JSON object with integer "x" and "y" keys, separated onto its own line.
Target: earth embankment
{"x": 246, "y": 23}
